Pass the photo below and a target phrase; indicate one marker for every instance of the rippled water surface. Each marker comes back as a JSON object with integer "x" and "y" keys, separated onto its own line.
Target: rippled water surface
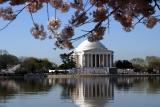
{"x": 81, "y": 92}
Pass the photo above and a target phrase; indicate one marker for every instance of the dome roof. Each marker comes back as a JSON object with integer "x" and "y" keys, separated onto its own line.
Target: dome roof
{"x": 86, "y": 45}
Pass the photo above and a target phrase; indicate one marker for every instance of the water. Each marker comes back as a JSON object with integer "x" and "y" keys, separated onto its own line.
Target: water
{"x": 81, "y": 92}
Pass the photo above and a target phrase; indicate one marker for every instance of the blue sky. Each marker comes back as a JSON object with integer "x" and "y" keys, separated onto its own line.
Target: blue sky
{"x": 17, "y": 39}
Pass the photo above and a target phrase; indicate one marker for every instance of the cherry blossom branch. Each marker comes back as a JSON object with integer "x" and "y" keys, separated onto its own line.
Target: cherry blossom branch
{"x": 13, "y": 19}
{"x": 32, "y": 18}
{"x": 97, "y": 25}
{"x": 139, "y": 20}
{"x": 156, "y": 4}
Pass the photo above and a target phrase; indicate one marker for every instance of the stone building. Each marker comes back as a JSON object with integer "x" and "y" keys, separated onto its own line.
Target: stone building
{"x": 93, "y": 55}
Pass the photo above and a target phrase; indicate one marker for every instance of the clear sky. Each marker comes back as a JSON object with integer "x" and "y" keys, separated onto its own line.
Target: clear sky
{"x": 17, "y": 39}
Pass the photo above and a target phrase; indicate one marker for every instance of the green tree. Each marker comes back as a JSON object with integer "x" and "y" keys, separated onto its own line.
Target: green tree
{"x": 28, "y": 65}
{"x": 139, "y": 68}
{"x": 8, "y": 60}
{"x": 67, "y": 60}
{"x": 124, "y": 64}
{"x": 119, "y": 64}
{"x": 153, "y": 63}
{"x": 34, "y": 65}
{"x": 139, "y": 61}
{"x": 139, "y": 64}
{"x": 150, "y": 64}
{"x": 127, "y": 64}
{"x": 47, "y": 65}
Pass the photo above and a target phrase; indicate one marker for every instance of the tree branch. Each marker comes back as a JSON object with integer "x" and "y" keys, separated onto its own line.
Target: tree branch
{"x": 48, "y": 12}
{"x": 13, "y": 19}
{"x": 97, "y": 25}
{"x": 156, "y": 4}
{"x": 32, "y": 18}
{"x": 139, "y": 20}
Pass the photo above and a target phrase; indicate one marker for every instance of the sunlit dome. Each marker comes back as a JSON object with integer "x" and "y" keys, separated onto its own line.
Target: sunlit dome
{"x": 86, "y": 45}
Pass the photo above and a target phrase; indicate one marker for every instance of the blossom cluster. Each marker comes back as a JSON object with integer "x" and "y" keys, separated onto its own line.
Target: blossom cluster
{"x": 7, "y": 13}
{"x": 53, "y": 24}
{"x": 38, "y": 31}
{"x": 151, "y": 22}
{"x": 64, "y": 36}
{"x": 34, "y": 6}
{"x": 97, "y": 34}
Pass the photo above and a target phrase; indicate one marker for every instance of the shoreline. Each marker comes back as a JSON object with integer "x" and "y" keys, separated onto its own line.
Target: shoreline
{"x": 76, "y": 75}
{"x": 99, "y": 75}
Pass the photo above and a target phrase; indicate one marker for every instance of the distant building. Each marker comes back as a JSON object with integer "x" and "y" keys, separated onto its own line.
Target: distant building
{"x": 91, "y": 55}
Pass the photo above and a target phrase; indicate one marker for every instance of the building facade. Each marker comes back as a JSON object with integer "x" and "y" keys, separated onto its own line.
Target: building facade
{"x": 93, "y": 55}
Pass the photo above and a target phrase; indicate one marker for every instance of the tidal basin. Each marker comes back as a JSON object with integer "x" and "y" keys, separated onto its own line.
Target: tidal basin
{"x": 81, "y": 92}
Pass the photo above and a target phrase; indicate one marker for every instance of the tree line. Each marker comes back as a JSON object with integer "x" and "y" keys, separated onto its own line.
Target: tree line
{"x": 150, "y": 64}
{"x": 27, "y": 65}
{"x": 35, "y": 65}
{"x": 7, "y": 60}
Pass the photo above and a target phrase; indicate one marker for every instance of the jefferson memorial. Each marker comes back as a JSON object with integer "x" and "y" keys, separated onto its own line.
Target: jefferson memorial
{"x": 93, "y": 55}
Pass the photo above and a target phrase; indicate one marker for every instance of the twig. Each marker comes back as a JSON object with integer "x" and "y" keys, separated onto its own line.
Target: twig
{"x": 82, "y": 14}
{"x": 139, "y": 20}
{"x": 82, "y": 36}
{"x": 55, "y": 13}
{"x": 108, "y": 24}
{"x": 32, "y": 18}
{"x": 89, "y": 21}
{"x": 86, "y": 3}
{"x": 48, "y": 12}
{"x": 156, "y": 4}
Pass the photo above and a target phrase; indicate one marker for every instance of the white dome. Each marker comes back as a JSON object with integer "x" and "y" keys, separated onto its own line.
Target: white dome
{"x": 86, "y": 45}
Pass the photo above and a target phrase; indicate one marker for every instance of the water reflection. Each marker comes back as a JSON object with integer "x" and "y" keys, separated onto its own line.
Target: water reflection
{"x": 143, "y": 84}
{"x": 98, "y": 92}
{"x": 11, "y": 87}
{"x": 88, "y": 92}
{"x": 83, "y": 92}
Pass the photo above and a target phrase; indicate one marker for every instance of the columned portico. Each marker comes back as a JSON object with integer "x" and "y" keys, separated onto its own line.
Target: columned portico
{"x": 98, "y": 60}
